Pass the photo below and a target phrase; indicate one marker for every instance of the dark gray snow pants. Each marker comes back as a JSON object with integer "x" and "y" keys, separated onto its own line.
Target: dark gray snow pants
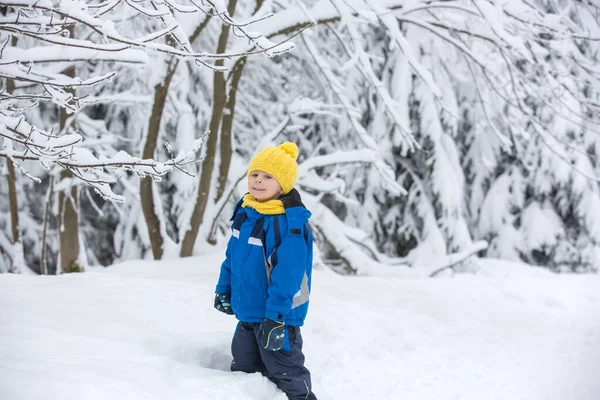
{"x": 284, "y": 367}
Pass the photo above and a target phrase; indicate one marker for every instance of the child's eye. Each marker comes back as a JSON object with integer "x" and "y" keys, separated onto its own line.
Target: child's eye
{"x": 268, "y": 176}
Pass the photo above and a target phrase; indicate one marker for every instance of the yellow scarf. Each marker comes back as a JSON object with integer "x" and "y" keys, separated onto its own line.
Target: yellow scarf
{"x": 269, "y": 207}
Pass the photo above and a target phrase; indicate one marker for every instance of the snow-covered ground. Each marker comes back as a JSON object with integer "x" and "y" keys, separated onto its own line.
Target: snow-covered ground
{"x": 147, "y": 331}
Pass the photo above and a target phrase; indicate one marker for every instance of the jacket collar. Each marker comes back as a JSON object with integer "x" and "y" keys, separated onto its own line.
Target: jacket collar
{"x": 292, "y": 199}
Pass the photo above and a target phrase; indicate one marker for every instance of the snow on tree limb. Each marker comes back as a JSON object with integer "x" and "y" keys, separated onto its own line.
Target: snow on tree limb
{"x": 56, "y": 53}
{"x": 362, "y": 156}
{"x": 66, "y": 152}
{"x": 69, "y": 31}
{"x": 82, "y": 15}
{"x": 511, "y": 27}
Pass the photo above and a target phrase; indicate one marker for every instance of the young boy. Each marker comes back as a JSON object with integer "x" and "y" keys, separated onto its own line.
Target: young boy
{"x": 266, "y": 276}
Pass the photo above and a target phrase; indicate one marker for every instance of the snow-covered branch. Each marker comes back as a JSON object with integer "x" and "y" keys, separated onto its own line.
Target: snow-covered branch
{"x": 363, "y": 156}
{"x": 68, "y": 152}
{"x": 112, "y": 40}
{"x": 41, "y": 41}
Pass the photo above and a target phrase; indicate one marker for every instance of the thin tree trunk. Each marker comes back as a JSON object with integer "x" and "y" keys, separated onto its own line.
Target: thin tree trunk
{"x": 146, "y": 193}
{"x": 68, "y": 207}
{"x": 18, "y": 255}
{"x": 228, "y": 118}
{"x": 43, "y": 266}
{"x": 12, "y": 178}
{"x": 227, "y": 131}
{"x": 208, "y": 164}
{"x": 146, "y": 185}
{"x": 227, "y": 128}
{"x": 227, "y": 138}
{"x": 14, "y": 205}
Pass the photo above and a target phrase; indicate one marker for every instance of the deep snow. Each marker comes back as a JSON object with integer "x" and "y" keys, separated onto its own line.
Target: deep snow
{"x": 146, "y": 330}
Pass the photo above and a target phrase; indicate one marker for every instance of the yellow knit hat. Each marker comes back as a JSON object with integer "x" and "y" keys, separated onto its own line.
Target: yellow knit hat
{"x": 280, "y": 162}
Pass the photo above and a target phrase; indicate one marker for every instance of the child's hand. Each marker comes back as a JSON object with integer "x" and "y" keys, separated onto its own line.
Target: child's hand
{"x": 271, "y": 334}
{"x": 223, "y": 303}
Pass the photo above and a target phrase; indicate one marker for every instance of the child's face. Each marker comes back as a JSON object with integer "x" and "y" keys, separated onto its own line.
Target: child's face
{"x": 263, "y": 186}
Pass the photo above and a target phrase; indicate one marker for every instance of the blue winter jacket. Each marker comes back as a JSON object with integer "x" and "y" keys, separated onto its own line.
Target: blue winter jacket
{"x": 268, "y": 263}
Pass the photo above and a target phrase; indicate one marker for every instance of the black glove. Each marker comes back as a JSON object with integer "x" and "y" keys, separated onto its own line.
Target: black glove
{"x": 223, "y": 303}
{"x": 271, "y": 334}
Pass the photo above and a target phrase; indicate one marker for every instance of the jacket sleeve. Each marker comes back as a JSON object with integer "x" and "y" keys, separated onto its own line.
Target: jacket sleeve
{"x": 224, "y": 283}
{"x": 288, "y": 270}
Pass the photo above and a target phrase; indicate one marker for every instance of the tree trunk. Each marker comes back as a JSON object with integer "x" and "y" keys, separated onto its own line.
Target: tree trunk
{"x": 12, "y": 178}
{"x": 146, "y": 193}
{"x": 12, "y": 198}
{"x": 68, "y": 207}
{"x": 227, "y": 139}
{"x": 43, "y": 266}
{"x": 208, "y": 164}
{"x": 227, "y": 132}
{"x": 227, "y": 128}
{"x": 17, "y": 254}
{"x": 68, "y": 214}
{"x": 228, "y": 118}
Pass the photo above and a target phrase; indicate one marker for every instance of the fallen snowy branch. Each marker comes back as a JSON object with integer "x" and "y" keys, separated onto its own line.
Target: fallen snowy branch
{"x": 451, "y": 260}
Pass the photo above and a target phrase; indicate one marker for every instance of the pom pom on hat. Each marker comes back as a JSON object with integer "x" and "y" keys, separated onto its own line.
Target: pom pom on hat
{"x": 290, "y": 148}
{"x": 280, "y": 162}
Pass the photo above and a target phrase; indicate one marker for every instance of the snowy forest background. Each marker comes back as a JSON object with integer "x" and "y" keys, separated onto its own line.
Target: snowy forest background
{"x": 429, "y": 131}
